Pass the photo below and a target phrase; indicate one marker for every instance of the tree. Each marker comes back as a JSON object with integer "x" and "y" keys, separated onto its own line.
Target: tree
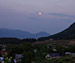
{"x": 6, "y": 59}
{"x": 27, "y": 57}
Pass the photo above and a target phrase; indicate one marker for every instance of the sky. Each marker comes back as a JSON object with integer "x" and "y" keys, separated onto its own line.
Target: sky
{"x": 34, "y": 16}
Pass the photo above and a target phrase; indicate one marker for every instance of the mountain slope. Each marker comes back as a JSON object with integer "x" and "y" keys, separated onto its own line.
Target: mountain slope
{"x": 20, "y": 34}
{"x": 40, "y": 34}
{"x": 69, "y": 33}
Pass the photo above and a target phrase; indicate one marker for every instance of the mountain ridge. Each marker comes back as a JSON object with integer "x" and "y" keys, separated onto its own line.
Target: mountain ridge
{"x": 5, "y": 32}
{"x": 68, "y": 33}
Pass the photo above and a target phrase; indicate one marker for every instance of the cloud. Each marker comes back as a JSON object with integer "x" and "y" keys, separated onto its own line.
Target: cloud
{"x": 61, "y": 15}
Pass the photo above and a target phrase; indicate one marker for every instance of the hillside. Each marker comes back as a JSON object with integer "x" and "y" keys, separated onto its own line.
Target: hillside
{"x": 4, "y": 32}
{"x": 69, "y": 33}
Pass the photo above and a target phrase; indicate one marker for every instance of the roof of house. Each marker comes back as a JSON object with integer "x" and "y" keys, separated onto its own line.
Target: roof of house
{"x": 73, "y": 53}
{"x": 1, "y": 58}
{"x": 54, "y": 54}
{"x": 19, "y": 55}
{"x": 67, "y": 52}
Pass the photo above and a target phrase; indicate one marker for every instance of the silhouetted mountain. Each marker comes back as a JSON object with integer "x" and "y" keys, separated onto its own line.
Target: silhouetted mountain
{"x": 20, "y": 34}
{"x": 69, "y": 33}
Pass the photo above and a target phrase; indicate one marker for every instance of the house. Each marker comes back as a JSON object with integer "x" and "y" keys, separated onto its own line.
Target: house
{"x": 1, "y": 59}
{"x": 70, "y": 54}
{"x": 54, "y": 50}
{"x": 18, "y": 57}
{"x": 51, "y": 39}
{"x": 15, "y": 61}
{"x": 67, "y": 53}
{"x": 73, "y": 54}
{"x": 48, "y": 56}
{"x": 52, "y": 55}
{"x": 35, "y": 50}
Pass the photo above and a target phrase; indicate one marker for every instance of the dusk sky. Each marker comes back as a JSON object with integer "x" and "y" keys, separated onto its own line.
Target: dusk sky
{"x": 35, "y": 16}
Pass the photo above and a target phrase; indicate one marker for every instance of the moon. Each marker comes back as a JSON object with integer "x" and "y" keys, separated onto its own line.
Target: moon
{"x": 40, "y": 13}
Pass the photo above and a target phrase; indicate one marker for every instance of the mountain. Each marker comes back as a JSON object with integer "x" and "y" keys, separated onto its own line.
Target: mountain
{"x": 4, "y": 32}
{"x": 40, "y": 34}
{"x": 68, "y": 33}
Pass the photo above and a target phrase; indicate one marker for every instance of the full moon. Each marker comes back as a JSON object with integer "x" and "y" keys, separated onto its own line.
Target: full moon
{"x": 40, "y": 13}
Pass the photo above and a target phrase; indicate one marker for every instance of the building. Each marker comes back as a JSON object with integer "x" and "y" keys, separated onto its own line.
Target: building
{"x": 67, "y": 53}
{"x": 18, "y": 57}
{"x": 73, "y": 54}
{"x": 52, "y": 55}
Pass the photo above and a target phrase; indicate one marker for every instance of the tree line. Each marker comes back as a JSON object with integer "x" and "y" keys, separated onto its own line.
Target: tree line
{"x": 15, "y": 40}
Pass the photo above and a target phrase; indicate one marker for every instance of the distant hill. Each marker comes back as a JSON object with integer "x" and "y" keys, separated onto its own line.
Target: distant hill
{"x": 4, "y": 32}
{"x": 69, "y": 33}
